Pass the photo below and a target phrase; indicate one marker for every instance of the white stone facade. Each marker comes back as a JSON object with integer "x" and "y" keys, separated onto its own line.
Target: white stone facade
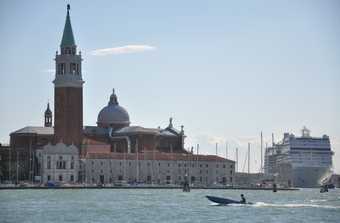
{"x": 58, "y": 163}
{"x": 161, "y": 172}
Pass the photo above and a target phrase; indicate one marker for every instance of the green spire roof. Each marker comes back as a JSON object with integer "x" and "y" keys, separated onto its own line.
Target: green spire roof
{"x": 68, "y": 39}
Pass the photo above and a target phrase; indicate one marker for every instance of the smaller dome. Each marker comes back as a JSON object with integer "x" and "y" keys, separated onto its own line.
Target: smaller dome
{"x": 113, "y": 115}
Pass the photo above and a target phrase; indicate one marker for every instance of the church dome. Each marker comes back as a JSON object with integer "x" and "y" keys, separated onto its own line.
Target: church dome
{"x": 113, "y": 115}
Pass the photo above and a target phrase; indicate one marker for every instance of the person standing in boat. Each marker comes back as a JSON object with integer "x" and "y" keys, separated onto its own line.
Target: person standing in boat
{"x": 243, "y": 199}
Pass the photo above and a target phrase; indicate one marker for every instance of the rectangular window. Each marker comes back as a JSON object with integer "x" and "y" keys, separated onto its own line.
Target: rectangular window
{"x": 72, "y": 162}
{"x": 48, "y": 162}
{"x": 72, "y": 178}
{"x": 48, "y": 178}
{"x": 60, "y": 177}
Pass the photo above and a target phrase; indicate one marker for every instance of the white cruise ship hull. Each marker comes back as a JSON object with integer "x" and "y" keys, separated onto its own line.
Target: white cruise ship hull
{"x": 309, "y": 176}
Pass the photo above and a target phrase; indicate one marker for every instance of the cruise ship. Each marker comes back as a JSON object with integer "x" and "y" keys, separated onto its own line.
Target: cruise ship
{"x": 300, "y": 161}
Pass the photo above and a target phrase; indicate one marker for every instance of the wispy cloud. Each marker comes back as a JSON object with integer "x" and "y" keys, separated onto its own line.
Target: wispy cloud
{"x": 122, "y": 50}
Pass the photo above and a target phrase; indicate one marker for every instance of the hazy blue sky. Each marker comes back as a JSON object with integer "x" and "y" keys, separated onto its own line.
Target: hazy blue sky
{"x": 224, "y": 69}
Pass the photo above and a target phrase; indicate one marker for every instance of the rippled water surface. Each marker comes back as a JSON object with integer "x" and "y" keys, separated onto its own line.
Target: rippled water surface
{"x": 152, "y": 205}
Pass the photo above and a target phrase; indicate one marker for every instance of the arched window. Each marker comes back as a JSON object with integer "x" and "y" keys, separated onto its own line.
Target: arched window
{"x": 73, "y": 68}
{"x": 61, "y": 164}
{"x": 61, "y": 68}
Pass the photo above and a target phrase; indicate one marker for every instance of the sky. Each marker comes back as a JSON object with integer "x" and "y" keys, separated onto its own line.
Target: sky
{"x": 226, "y": 70}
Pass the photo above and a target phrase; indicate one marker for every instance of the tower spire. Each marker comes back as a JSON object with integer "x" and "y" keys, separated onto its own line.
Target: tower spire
{"x": 68, "y": 39}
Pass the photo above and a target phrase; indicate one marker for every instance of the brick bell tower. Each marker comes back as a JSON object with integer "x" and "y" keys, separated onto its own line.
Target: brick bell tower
{"x": 68, "y": 90}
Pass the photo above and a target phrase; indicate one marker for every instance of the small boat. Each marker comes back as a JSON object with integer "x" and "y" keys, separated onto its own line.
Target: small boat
{"x": 224, "y": 201}
{"x": 324, "y": 189}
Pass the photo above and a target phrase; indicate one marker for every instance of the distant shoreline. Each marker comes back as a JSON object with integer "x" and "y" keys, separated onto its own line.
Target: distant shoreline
{"x": 146, "y": 187}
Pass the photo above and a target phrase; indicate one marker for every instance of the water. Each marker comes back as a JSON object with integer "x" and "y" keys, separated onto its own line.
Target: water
{"x": 146, "y": 205}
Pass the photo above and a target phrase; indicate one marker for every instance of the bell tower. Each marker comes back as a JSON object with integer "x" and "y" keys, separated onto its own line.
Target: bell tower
{"x": 48, "y": 116}
{"x": 68, "y": 90}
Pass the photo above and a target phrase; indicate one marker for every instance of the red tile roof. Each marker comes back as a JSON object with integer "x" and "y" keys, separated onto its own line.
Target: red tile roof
{"x": 155, "y": 156}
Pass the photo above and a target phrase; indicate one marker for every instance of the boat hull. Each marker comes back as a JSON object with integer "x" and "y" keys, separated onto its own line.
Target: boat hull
{"x": 308, "y": 176}
{"x": 224, "y": 201}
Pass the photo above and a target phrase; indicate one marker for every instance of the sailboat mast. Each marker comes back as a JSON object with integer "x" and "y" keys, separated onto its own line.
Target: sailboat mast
{"x": 236, "y": 159}
{"x": 248, "y": 158}
{"x": 261, "y": 168}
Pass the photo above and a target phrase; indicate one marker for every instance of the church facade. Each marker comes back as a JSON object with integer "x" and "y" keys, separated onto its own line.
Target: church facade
{"x": 129, "y": 153}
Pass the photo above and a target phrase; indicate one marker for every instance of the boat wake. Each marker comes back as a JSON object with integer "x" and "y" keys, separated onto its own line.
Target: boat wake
{"x": 318, "y": 200}
{"x": 262, "y": 204}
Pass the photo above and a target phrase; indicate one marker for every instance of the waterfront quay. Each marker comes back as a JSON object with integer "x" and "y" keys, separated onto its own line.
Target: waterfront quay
{"x": 141, "y": 187}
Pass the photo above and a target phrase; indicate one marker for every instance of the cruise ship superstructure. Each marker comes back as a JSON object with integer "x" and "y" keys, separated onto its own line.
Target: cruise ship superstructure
{"x": 300, "y": 161}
